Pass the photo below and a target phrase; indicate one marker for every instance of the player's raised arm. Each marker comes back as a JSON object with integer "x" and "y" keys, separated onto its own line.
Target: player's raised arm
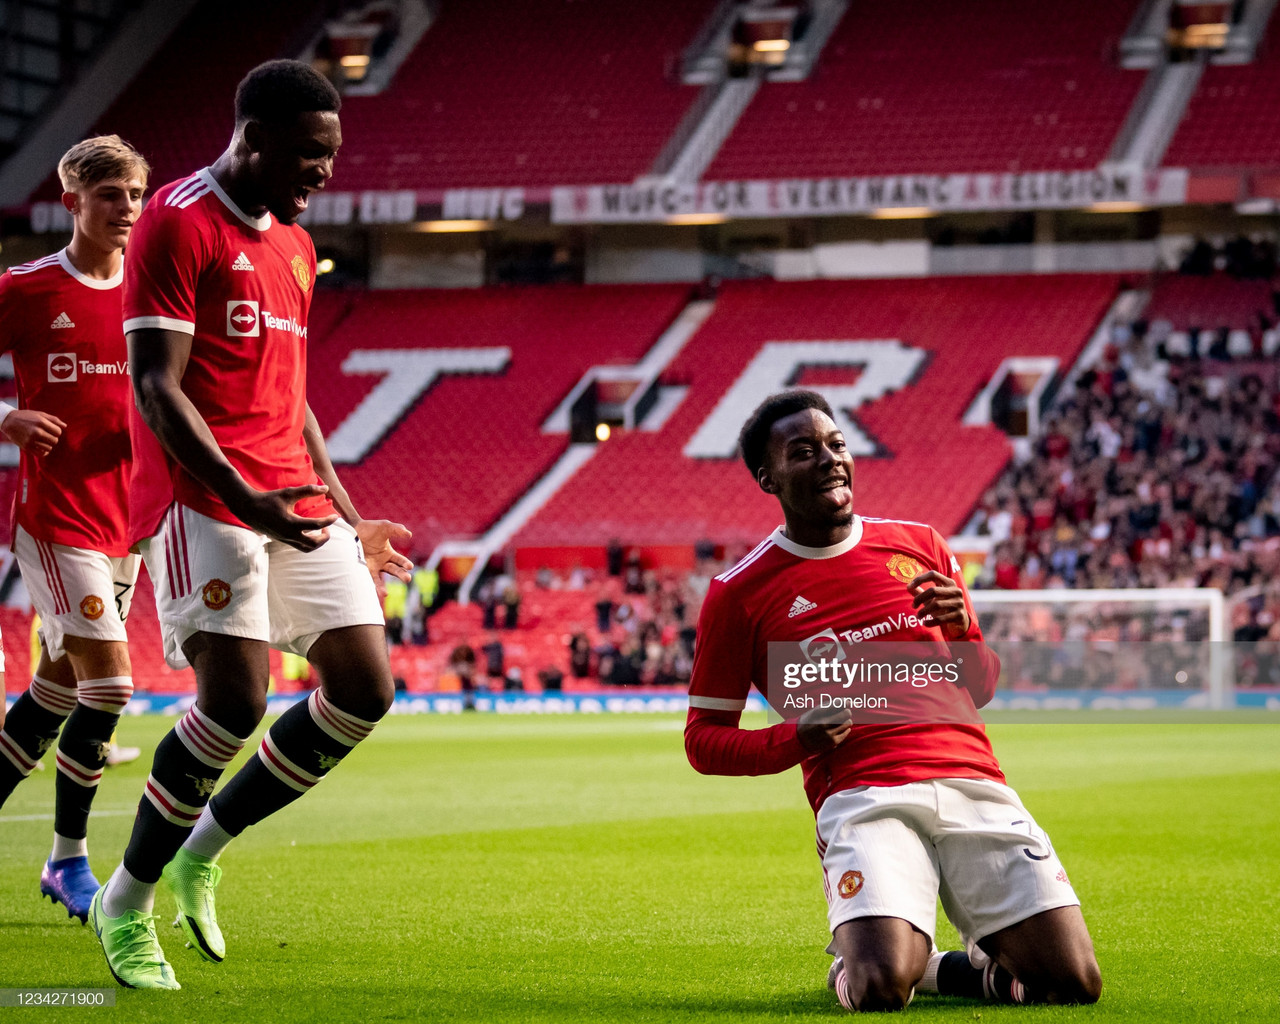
{"x": 157, "y": 361}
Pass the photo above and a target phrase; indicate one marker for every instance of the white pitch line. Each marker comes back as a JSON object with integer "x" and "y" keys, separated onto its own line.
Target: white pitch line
{"x": 49, "y": 817}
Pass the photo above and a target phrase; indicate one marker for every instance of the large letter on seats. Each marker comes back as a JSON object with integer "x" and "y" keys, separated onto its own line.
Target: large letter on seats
{"x": 409, "y": 372}
{"x": 886, "y": 366}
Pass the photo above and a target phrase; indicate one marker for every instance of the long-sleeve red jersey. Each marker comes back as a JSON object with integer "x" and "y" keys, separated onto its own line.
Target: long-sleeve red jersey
{"x": 856, "y": 590}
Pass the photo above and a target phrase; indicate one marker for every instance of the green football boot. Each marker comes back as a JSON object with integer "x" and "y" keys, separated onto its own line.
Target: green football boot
{"x": 129, "y": 943}
{"x": 193, "y": 879}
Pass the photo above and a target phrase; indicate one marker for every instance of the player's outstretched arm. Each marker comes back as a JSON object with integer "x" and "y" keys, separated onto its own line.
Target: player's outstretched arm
{"x": 157, "y": 361}
{"x": 376, "y": 535}
{"x": 33, "y": 431}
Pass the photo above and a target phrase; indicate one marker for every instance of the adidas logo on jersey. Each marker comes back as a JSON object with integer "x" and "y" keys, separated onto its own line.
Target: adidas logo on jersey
{"x": 61, "y": 322}
{"x": 242, "y": 263}
{"x": 799, "y": 606}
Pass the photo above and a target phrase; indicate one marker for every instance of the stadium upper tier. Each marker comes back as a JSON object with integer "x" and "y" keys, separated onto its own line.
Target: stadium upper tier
{"x": 507, "y": 92}
{"x": 177, "y": 111}
{"x": 998, "y": 86}
{"x": 512, "y": 93}
{"x": 1233, "y": 119}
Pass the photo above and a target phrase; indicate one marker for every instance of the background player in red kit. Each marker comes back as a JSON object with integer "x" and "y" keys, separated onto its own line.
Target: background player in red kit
{"x": 905, "y": 811}
{"x": 217, "y": 288}
{"x": 60, "y": 317}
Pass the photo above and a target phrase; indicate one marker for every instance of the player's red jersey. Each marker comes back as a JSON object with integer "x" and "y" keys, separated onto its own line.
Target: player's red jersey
{"x": 858, "y": 590}
{"x": 63, "y": 330}
{"x": 241, "y": 286}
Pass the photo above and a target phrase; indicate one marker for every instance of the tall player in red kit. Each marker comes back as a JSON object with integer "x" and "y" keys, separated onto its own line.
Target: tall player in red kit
{"x": 906, "y": 811}
{"x": 60, "y": 319}
{"x": 248, "y": 535}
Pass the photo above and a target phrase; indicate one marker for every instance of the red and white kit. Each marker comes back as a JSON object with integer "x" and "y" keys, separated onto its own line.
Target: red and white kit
{"x": 71, "y": 508}
{"x": 241, "y": 287}
{"x": 903, "y": 811}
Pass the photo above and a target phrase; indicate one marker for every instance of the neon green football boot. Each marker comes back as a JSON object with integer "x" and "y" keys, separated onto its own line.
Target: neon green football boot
{"x": 193, "y": 879}
{"x": 129, "y": 943}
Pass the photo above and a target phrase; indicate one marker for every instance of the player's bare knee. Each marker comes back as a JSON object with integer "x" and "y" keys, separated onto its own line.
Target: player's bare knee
{"x": 239, "y": 717}
{"x": 1082, "y": 984}
{"x": 368, "y": 698}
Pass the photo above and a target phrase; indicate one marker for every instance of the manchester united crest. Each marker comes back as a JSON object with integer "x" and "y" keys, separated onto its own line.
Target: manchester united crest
{"x": 92, "y": 607}
{"x": 904, "y": 567}
{"x": 850, "y": 885}
{"x": 301, "y": 272}
{"x": 216, "y": 594}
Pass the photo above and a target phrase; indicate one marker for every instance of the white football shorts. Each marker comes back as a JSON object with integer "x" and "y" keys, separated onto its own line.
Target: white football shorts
{"x": 890, "y": 851}
{"x": 213, "y": 577}
{"x": 77, "y": 592}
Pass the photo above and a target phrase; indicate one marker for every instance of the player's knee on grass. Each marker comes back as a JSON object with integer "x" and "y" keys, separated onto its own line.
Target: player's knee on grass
{"x": 883, "y": 957}
{"x": 1051, "y": 954}
{"x": 882, "y": 986}
{"x": 1077, "y": 980}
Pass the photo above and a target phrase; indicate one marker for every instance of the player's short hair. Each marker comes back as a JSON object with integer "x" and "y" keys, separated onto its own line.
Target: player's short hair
{"x": 279, "y": 90}
{"x": 753, "y": 441}
{"x": 101, "y": 158}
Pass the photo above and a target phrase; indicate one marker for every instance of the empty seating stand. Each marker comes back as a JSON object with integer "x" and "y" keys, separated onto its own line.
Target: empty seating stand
{"x": 512, "y": 93}
{"x": 914, "y": 87}
{"x": 465, "y": 451}
{"x": 643, "y": 488}
{"x": 177, "y": 112}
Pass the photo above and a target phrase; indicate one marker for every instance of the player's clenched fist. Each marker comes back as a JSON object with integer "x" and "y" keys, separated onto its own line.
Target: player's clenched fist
{"x": 32, "y": 430}
{"x": 939, "y": 601}
{"x": 821, "y": 729}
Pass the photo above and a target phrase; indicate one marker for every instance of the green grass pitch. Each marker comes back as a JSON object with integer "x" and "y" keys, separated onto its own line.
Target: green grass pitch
{"x": 575, "y": 868}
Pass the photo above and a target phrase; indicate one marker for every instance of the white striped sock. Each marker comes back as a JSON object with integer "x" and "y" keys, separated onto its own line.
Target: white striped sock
{"x": 336, "y": 723}
{"x": 206, "y": 739}
{"x": 58, "y": 700}
{"x": 110, "y": 693}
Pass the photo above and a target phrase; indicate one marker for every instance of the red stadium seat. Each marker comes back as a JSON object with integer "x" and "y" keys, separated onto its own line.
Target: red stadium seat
{"x": 467, "y": 450}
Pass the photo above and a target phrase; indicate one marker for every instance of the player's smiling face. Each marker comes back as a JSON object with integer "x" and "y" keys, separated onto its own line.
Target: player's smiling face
{"x": 809, "y": 469}
{"x": 294, "y": 160}
{"x": 106, "y": 212}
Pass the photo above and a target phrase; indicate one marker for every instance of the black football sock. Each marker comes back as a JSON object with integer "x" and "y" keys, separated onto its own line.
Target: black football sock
{"x": 303, "y": 746}
{"x": 30, "y": 729}
{"x": 188, "y": 763}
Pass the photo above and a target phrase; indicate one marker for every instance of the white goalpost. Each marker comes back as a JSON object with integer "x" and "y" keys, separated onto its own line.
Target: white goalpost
{"x": 1100, "y": 649}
